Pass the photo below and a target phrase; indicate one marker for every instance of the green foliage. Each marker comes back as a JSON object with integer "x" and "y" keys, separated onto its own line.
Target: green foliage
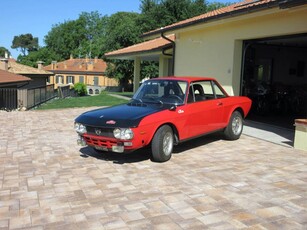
{"x": 64, "y": 39}
{"x": 81, "y": 37}
{"x": 25, "y": 42}
{"x": 3, "y": 50}
{"x": 43, "y": 54}
{"x": 149, "y": 69}
{"x": 122, "y": 30}
{"x": 80, "y": 88}
{"x": 122, "y": 70}
{"x": 159, "y": 13}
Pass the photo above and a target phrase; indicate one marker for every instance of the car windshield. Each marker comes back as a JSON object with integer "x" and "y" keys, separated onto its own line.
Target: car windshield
{"x": 162, "y": 92}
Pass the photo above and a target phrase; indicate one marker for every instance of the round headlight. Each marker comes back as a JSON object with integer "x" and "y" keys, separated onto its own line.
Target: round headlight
{"x": 123, "y": 134}
{"x": 128, "y": 134}
{"x": 117, "y": 133}
{"x": 80, "y": 128}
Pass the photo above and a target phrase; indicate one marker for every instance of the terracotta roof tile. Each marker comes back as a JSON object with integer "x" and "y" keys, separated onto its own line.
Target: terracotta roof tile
{"x": 78, "y": 65}
{"x": 150, "y": 45}
{"x": 210, "y": 15}
{"x": 8, "y": 77}
{"x": 18, "y": 68}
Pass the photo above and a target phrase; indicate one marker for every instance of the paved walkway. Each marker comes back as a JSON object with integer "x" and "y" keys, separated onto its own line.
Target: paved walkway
{"x": 274, "y": 134}
{"x": 48, "y": 182}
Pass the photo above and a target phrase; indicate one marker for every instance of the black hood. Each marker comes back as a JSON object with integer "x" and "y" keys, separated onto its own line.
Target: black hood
{"x": 127, "y": 115}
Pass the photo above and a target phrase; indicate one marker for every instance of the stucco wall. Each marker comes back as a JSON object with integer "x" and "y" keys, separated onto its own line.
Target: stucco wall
{"x": 88, "y": 80}
{"x": 215, "y": 49}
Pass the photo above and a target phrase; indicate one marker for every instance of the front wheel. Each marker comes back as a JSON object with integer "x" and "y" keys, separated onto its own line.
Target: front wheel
{"x": 162, "y": 144}
{"x": 235, "y": 126}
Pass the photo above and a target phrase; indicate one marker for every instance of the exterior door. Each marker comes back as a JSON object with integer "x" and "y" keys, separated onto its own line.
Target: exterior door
{"x": 205, "y": 109}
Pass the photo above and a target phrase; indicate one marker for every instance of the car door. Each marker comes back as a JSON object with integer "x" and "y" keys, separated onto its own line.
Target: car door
{"x": 204, "y": 108}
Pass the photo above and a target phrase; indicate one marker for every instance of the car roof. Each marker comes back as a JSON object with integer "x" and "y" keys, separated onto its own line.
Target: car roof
{"x": 184, "y": 78}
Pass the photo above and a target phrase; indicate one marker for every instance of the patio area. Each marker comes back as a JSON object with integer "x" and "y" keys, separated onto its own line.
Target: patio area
{"x": 48, "y": 182}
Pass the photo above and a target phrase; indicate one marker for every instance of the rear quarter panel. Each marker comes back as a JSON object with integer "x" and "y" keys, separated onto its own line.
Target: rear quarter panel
{"x": 233, "y": 103}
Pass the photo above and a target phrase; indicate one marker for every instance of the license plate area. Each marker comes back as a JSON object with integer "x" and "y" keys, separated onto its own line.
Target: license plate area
{"x": 118, "y": 148}
{"x": 100, "y": 148}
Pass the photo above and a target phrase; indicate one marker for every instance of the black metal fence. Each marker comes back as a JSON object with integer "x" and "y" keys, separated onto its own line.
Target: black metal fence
{"x": 40, "y": 95}
{"x": 12, "y": 98}
{"x": 66, "y": 91}
{"x": 8, "y": 99}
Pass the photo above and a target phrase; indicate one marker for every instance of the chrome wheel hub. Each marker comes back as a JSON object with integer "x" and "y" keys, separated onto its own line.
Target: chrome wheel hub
{"x": 237, "y": 125}
{"x": 167, "y": 143}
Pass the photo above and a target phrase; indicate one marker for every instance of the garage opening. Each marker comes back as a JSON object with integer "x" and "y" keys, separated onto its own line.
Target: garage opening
{"x": 275, "y": 78}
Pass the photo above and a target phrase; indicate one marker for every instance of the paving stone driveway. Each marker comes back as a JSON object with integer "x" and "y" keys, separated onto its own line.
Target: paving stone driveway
{"x": 48, "y": 182}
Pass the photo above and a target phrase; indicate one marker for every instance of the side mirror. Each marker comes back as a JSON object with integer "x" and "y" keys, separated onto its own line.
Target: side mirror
{"x": 173, "y": 108}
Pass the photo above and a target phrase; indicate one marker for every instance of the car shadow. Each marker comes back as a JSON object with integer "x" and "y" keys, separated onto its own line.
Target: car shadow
{"x": 144, "y": 154}
{"x": 117, "y": 158}
{"x": 194, "y": 143}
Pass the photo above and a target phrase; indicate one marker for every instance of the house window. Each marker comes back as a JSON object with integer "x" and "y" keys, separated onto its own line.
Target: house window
{"x": 59, "y": 79}
{"x": 70, "y": 80}
{"x": 96, "y": 80}
{"x": 81, "y": 79}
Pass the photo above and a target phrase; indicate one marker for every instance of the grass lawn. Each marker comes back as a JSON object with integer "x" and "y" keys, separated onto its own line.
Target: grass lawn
{"x": 87, "y": 101}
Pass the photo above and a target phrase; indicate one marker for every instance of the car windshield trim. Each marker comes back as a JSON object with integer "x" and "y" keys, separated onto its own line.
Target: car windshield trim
{"x": 162, "y": 91}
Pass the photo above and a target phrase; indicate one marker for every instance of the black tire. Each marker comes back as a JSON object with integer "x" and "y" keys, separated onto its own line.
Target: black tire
{"x": 234, "y": 128}
{"x": 162, "y": 144}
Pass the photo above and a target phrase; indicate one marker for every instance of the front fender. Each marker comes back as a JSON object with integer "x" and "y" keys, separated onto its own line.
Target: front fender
{"x": 150, "y": 124}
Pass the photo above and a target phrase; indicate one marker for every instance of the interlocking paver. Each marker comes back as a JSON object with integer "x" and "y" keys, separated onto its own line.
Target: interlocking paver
{"x": 48, "y": 182}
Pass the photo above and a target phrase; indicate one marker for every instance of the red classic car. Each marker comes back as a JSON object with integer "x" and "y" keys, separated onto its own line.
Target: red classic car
{"x": 162, "y": 113}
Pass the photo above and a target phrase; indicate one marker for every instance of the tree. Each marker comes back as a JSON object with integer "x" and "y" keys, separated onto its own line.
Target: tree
{"x": 43, "y": 54}
{"x": 80, "y": 37}
{"x": 4, "y": 50}
{"x": 64, "y": 39}
{"x": 122, "y": 30}
{"x": 25, "y": 42}
{"x": 159, "y": 13}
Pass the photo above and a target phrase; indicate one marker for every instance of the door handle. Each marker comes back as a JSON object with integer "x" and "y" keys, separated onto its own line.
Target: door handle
{"x": 219, "y": 103}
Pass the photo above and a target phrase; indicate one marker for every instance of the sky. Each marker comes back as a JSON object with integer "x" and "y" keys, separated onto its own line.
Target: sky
{"x": 38, "y": 16}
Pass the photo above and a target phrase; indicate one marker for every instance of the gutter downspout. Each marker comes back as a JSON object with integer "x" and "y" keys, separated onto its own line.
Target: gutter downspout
{"x": 174, "y": 48}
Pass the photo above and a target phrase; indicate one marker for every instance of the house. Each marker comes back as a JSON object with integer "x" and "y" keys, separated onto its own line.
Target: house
{"x": 88, "y": 71}
{"x": 22, "y": 86}
{"x": 9, "y": 83}
{"x": 11, "y": 80}
{"x": 38, "y": 76}
{"x": 251, "y": 47}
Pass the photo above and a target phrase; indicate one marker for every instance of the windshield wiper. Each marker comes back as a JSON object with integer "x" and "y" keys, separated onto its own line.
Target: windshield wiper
{"x": 154, "y": 100}
{"x": 137, "y": 99}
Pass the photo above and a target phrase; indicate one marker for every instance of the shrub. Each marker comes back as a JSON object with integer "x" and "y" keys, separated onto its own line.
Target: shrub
{"x": 80, "y": 88}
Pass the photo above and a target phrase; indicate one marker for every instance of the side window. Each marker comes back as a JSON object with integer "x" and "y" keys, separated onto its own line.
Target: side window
{"x": 208, "y": 91}
{"x": 218, "y": 91}
{"x": 200, "y": 91}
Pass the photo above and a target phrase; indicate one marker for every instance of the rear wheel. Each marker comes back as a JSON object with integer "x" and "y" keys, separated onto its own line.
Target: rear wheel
{"x": 162, "y": 144}
{"x": 234, "y": 128}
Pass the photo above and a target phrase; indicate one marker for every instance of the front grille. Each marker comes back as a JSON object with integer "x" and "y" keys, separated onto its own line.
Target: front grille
{"x": 101, "y": 142}
{"x": 105, "y": 132}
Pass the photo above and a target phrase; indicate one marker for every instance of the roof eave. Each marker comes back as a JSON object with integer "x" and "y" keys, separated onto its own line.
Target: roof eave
{"x": 77, "y": 72}
{"x": 212, "y": 18}
{"x": 14, "y": 82}
{"x": 135, "y": 53}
